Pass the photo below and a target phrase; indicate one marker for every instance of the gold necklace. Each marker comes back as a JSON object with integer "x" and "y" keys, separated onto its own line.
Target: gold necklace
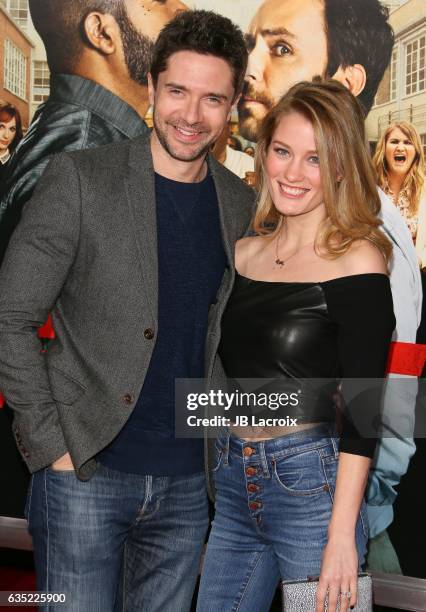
{"x": 281, "y": 262}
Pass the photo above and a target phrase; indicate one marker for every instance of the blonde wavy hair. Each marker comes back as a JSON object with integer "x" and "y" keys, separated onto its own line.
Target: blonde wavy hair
{"x": 414, "y": 180}
{"x": 347, "y": 175}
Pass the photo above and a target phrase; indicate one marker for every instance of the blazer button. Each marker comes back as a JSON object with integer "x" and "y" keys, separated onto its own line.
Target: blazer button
{"x": 128, "y": 398}
{"x": 149, "y": 334}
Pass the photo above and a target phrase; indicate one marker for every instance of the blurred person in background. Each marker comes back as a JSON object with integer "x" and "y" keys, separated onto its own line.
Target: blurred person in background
{"x": 10, "y": 133}
{"x": 234, "y": 143}
{"x": 236, "y": 161}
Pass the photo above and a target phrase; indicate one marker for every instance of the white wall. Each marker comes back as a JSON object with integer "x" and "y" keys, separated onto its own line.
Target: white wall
{"x": 240, "y": 11}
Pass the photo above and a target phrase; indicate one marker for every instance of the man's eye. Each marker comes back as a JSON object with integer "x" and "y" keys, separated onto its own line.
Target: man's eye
{"x": 175, "y": 92}
{"x": 280, "y": 49}
{"x": 213, "y": 100}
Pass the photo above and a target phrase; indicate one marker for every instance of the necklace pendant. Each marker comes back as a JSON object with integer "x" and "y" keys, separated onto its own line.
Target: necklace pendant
{"x": 279, "y": 262}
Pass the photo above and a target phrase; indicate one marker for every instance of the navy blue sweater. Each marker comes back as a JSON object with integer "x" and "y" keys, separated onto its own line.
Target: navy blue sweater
{"x": 191, "y": 262}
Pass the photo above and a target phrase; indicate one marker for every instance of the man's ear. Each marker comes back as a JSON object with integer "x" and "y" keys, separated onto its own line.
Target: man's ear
{"x": 101, "y": 32}
{"x": 151, "y": 90}
{"x": 353, "y": 77}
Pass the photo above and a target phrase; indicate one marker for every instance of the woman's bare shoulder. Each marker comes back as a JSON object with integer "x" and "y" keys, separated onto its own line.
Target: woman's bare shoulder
{"x": 245, "y": 249}
{"x": 364, "y": 257}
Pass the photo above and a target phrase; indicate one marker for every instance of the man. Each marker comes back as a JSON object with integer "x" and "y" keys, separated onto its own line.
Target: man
{"x": 126, "y": 245}
{"x": 352, "y": 43}
{"x": 99, "y": 54}
{"x": 291, "y": 41}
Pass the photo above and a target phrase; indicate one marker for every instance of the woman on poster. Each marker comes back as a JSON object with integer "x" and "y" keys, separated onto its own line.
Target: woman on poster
{"x": 311, "y": 299}
{"x": 399, "y": 163}
{"x": 10, "y": 134}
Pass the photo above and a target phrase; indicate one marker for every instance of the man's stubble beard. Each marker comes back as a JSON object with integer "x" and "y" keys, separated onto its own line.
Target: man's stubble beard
{"x": 248, "y": 123}
{"x": 248, "y": 126}
{"x": 162, "y": 138}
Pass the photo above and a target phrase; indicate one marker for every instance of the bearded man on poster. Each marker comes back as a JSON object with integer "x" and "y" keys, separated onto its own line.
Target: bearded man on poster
{"x": 351, "y": 41}
{"x": 99, "y": 53}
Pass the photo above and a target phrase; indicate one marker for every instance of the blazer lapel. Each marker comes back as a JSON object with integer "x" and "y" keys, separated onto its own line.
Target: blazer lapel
{"x": 140, "y": 190}
{"x": 225, "y": 199}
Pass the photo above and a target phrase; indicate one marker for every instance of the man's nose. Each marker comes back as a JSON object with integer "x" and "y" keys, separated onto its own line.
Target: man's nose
{"x": 191, "y": 111}
{"x": 256, "y": 63}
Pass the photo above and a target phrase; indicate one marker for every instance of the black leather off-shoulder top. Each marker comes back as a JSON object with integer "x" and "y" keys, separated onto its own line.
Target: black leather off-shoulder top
{"x": 336, "y": 329}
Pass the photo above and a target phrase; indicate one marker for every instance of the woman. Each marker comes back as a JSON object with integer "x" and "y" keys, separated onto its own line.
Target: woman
{"x": 311, "y": 301}
{"x": 10, "y": 133}
{"x": 399, "y": 163}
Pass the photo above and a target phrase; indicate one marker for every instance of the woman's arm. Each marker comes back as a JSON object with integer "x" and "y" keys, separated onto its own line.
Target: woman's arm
{"x": 339, "y": 568}
{"x": 361, "y": 308}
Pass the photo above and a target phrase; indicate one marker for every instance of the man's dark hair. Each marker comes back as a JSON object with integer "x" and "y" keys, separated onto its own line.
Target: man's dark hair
{"x": 358, "y": 32}
{"x": 206, "y": 33}
{"x": 61, "y": 27}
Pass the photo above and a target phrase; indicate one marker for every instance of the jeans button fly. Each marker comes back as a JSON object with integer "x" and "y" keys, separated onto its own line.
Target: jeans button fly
{"x": 255, "y": 505}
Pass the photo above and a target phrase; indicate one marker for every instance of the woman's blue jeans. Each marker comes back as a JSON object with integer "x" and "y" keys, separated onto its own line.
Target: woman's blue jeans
{"x": 273, "y": 507}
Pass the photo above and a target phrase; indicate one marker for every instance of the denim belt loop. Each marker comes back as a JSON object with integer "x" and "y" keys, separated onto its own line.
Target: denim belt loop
{"x": 335, "y": 447}
{"x": 263, "y": 459}
{"x": 226, "y": 448}
{"x": 333, "y": 435}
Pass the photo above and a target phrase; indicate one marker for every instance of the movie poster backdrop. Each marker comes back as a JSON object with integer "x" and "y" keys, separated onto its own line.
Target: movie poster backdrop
{"x": 289, "y": 41}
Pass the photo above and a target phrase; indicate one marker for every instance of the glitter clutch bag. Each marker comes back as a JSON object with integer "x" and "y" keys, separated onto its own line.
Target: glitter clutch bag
{"x": 300, "y": 595}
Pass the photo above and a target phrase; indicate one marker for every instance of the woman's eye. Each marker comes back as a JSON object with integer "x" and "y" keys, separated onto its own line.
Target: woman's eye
{"x": 282, "y": 152}
{"x": 281, "y": 49}
{"x": 314, "y": 159}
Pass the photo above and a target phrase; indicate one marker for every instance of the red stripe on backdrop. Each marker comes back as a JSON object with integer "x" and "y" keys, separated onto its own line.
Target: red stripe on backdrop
{"x": 406, "y": 358}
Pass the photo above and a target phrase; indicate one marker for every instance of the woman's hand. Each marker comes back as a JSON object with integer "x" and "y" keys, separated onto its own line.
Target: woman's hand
{"x": 339, "y": 574}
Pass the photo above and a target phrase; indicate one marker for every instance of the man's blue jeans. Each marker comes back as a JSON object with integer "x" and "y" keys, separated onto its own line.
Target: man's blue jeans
{"x": 273, "y": 507}
{"x": 119, "y": 542}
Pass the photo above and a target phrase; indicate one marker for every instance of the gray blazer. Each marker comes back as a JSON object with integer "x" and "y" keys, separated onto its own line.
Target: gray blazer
{"x": 85, "y": 250}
